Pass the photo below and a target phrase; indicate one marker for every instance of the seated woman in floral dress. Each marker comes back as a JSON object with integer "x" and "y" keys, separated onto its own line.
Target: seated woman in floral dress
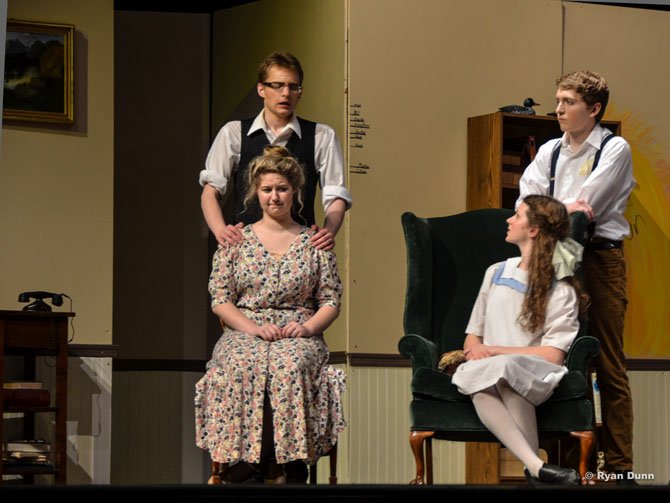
{"x": 268, "y": 397}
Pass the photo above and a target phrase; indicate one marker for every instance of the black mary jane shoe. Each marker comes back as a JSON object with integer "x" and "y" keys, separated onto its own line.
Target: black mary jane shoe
{"x": 552, "y": 474}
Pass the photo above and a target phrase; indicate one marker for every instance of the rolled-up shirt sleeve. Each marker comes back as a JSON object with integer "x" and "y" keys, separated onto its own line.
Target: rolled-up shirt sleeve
{"x": 330, "y": 166}
{"x": 223, "y": 157}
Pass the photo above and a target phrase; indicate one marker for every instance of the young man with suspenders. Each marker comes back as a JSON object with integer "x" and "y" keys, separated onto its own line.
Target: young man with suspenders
{"x": 591, "y": 170}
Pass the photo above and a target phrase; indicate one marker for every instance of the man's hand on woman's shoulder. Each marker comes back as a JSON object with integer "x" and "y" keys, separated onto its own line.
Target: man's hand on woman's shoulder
{"x": 230, "y": 235}
{"x": 323, "y": 239}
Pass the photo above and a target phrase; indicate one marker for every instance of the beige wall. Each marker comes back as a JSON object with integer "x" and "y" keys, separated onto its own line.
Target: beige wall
{"x": 315, "y": 33}
{"x": 419, "y": 70}
{"x": 56, "y": 183}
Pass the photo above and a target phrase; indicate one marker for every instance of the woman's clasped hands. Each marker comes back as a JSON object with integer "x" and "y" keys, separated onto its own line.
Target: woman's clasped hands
{"x": 272, "y": 332}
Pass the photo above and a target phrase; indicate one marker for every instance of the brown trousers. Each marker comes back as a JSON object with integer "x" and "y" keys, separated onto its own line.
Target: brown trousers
{"x": 604, "y": 273}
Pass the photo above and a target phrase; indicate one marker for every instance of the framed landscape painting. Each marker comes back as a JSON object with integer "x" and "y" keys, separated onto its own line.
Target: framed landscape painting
{"x": 38, "y": 85}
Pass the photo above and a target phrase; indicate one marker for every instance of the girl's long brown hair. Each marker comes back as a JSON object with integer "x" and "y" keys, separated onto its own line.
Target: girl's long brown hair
{"x": 551, "y": 218}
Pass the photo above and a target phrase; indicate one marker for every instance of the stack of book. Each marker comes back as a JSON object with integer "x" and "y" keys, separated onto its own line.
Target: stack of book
{"x": 27, "y": 452}
{"x": 25, "y": 394}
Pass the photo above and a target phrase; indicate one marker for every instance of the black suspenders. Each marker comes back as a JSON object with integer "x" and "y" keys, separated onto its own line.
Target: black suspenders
{"x": 557, "y": 151}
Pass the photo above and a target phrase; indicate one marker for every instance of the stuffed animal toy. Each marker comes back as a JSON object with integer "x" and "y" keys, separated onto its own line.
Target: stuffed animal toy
{"x": 450, "y": 361}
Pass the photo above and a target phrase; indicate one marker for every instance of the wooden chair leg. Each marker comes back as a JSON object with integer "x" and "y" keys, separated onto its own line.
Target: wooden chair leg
{"x": 416, "y": 439}
{"x": 586, "y": 441}
{"x": 215, "y": 477}
{"x": 429, "y": 460}
{"x": 332, "y": 479}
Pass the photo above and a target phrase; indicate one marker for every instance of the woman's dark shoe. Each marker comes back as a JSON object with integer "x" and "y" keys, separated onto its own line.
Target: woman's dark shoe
{"x": 273, "y": 473}
{"x": 239, "y": 472}
{"x": 552, "y": 474}
{"x": 296, "y": 472}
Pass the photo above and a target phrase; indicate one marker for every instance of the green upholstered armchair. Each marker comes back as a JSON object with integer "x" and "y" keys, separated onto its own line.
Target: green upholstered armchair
{"x": 446, "y": 261}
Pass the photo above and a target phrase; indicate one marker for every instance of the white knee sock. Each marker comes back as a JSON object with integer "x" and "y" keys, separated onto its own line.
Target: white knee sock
{"x": 522, "y": 411}
{"x": 495, "y": 416}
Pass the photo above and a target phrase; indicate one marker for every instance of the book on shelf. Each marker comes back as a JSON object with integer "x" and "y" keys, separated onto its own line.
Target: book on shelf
{"x": 15, "y": 463}
{"x": 511, "y": 158}
{"x": 22, "y": 385}
{"x": 510, "y": 179}
{"x": 26, "y": 457}
{"x": 26, "y": 452}
{"x": 26, "y": 397}
{"x": 26, "y": 446}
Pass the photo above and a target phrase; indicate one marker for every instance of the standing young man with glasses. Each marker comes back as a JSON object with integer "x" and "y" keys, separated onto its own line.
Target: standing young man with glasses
{"x": 591, "y": 170}
{"x": 315, "y": 145}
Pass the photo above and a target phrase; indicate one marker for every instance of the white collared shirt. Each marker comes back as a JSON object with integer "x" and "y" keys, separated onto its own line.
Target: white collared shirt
{"x": 606, "y": 190}
{"x": 224, "y": 157}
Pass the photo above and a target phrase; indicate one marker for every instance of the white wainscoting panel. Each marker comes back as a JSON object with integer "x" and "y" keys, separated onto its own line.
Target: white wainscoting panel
{"x": 378, "y": 431}
{"x": 651, "y": 427}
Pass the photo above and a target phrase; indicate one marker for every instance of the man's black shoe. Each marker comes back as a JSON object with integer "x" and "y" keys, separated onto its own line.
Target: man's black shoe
{"x": 625, "y": 478}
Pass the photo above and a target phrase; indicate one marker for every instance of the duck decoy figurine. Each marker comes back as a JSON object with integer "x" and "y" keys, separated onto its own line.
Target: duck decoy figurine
{"x": 525, "y": 109}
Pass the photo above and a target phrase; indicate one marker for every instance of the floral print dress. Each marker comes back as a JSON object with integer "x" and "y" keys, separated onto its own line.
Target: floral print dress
{"x": 303, "y": 390}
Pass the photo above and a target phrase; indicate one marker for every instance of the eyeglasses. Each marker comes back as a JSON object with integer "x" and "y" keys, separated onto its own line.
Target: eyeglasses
{"x": 278, "y": 86}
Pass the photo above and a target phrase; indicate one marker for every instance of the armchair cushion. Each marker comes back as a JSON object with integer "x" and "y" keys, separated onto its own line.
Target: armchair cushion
{"x": 432, "y": 383}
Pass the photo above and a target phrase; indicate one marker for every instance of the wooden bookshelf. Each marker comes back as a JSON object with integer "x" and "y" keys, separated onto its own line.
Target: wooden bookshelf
{"x": 499, "y": 151}
{"x": 31, "y": 334}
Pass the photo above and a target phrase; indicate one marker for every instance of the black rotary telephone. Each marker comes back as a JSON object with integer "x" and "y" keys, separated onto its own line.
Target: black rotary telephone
{"x": 38, "y": 304}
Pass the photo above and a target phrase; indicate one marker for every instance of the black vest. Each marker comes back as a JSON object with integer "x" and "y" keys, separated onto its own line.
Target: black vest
{"x": 301, "y": 149}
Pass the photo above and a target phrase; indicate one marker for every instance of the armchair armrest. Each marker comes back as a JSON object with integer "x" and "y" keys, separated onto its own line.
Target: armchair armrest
{"x": 581, "y": 352}
{"x": 420, "y": 350}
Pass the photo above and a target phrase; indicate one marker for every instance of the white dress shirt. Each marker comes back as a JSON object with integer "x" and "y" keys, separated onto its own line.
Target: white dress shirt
{"x": 224, "y": 157}
{"x": 606, "y": 190}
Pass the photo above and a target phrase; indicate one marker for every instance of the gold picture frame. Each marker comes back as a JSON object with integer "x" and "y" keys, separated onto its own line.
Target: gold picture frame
{"x": 39, "y": 83}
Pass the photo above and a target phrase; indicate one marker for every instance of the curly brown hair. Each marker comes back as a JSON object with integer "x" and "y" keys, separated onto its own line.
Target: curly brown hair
{"x": 275, "y": 159}
{"x": 591, "y": 86}
{"x": 551, "y": 218}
